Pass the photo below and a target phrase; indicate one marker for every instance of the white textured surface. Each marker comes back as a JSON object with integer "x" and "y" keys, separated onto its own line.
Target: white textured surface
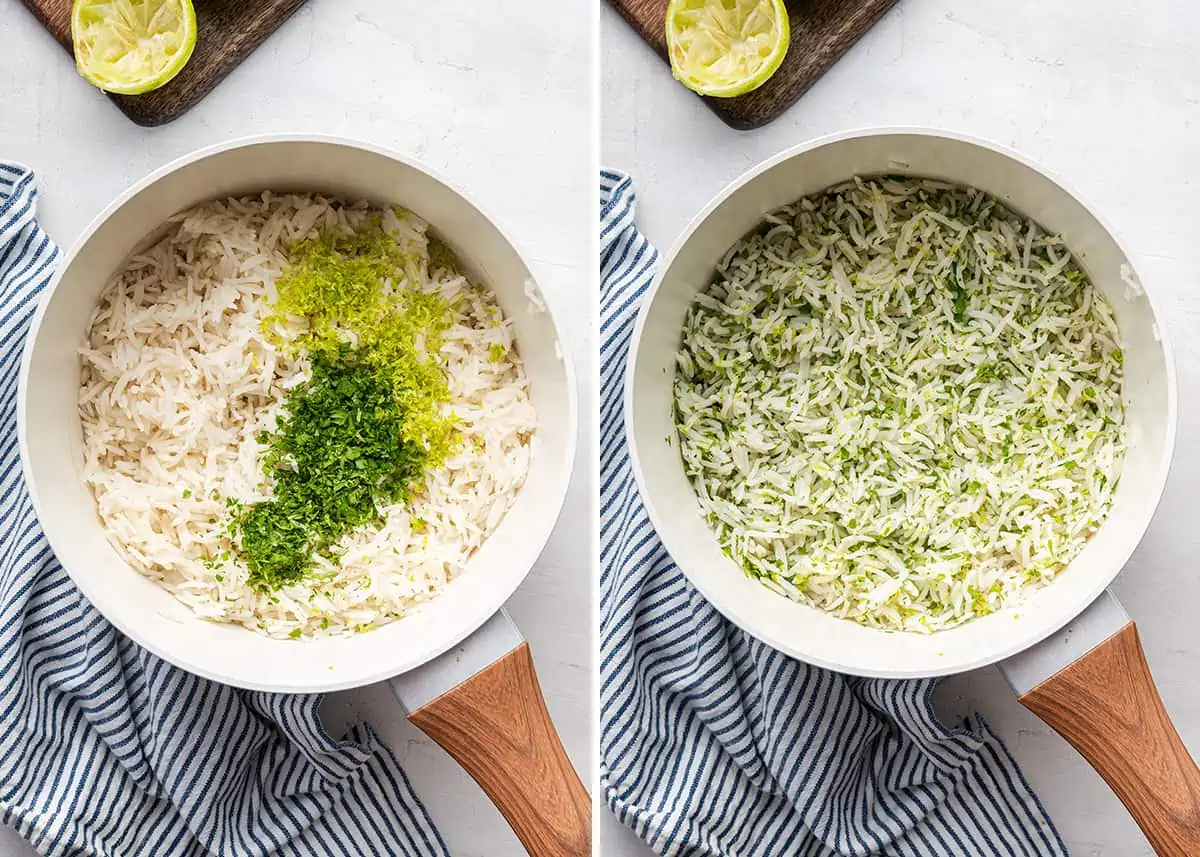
{"x": 441, "y": 82}
{"x": 1107, "y": 97}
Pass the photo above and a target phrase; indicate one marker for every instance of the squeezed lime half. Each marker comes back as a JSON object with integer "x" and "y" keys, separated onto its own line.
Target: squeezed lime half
{"x": 132, "y": 46}
{"x": 725, "y": 48}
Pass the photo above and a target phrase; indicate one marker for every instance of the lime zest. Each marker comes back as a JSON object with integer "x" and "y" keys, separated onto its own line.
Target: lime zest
{"x": 338, "y": 285}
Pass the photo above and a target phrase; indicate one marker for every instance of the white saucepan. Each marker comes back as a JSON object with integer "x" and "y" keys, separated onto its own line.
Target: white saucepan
{"x": 1069, "y": 650}
{"x": 458, "y": 665}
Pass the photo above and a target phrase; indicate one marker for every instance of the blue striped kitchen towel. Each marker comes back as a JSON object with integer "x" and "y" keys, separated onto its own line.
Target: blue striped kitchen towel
{"x": 107, "y": 750}
{"x": 714, "y": 743}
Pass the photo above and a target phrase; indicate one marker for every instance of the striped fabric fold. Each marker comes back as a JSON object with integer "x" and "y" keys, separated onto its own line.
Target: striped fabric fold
{"x": 714, "y": 743}
{"x": 107, "y": 750}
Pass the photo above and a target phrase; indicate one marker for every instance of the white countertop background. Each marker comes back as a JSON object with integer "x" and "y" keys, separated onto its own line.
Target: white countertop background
{"x": 1107, "y": 95}
{"x": 493, "y": 96}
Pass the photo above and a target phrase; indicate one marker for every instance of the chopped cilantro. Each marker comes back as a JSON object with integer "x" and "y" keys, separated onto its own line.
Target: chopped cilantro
{"x": 339, "y": 451}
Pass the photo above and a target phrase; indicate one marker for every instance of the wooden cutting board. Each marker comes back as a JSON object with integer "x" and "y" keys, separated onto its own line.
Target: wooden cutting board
{"x": 227, "y": 31}
{"x": 822, "y": 30}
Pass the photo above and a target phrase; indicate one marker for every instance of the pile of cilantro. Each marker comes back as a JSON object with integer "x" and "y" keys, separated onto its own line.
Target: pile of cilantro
{"x": 360, "y": 434}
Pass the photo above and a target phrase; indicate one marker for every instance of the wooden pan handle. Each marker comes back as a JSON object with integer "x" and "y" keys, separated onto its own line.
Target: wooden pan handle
{"x": 1105, "y": 704}
{"x": 495, "y": 724}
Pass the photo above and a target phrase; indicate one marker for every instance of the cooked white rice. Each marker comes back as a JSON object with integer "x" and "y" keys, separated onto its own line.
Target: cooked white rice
{"x": 901, "y": 403}
{"x": 178, "y": 381}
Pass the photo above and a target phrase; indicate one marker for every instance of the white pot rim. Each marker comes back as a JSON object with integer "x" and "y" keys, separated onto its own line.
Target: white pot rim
{"x": 381, "y": 668}
{"x": 954, "y": 662}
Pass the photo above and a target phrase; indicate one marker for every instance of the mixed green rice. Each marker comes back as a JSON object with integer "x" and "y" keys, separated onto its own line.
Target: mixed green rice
{"x": 900, "y": 402}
